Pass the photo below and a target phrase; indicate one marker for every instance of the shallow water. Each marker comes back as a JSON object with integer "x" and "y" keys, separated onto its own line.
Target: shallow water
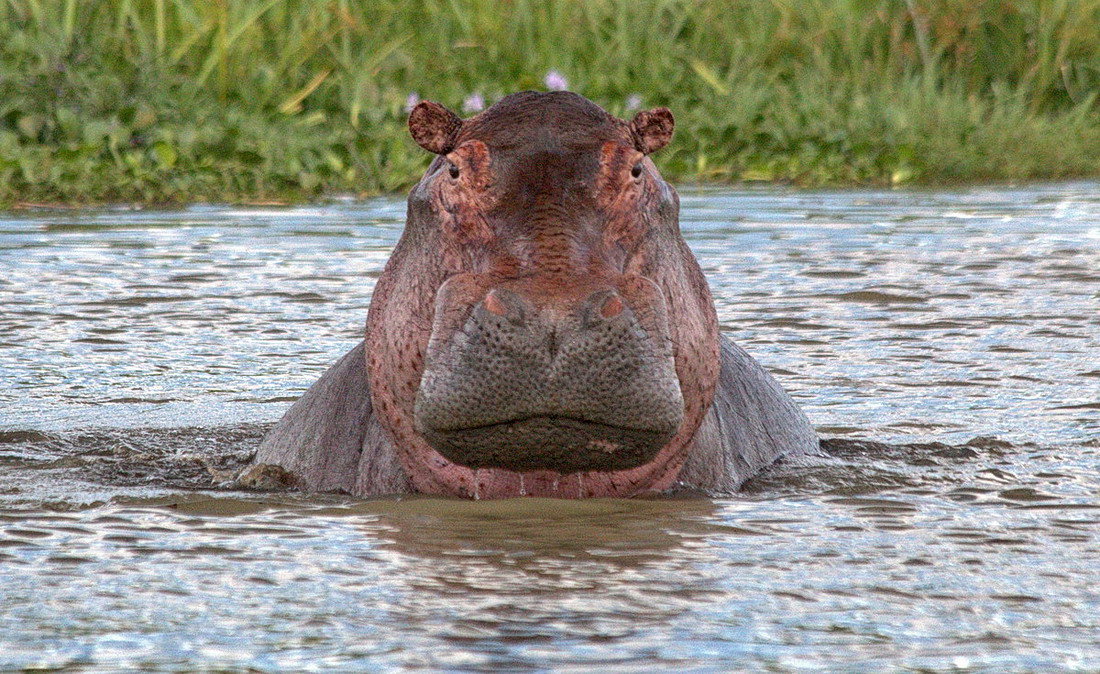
{"x": 946, "y": 342}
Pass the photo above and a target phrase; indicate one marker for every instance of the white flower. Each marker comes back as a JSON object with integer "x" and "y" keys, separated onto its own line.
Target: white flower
{"x": 475, "y": 102}
{"x": 555, "y": 81}
{"x": 634, "y": 102}
{"x": 411, "y": 101}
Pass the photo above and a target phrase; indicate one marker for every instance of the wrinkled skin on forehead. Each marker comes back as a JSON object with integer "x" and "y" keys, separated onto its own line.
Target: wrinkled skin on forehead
{"x": 541, "y": 225}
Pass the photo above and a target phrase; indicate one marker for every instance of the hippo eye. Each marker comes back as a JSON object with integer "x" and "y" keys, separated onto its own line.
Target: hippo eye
{"x": 453, "y": 170}
{"x": 637, "y": 170}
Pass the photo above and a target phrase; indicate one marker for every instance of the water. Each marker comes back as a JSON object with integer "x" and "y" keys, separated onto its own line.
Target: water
{"x": 944, "y": 341}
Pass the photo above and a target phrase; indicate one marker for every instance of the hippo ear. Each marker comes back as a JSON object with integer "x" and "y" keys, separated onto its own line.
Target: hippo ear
{"x": 652, "y": 129}
{"x": 434, "y": 127}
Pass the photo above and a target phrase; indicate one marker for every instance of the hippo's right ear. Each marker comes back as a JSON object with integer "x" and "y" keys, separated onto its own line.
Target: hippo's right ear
{"x": 652, "y": 129}
{"x": 434, "y": 127}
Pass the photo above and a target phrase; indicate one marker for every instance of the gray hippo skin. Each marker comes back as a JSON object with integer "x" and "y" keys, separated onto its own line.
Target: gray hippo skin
{"x": 541, "y": 329}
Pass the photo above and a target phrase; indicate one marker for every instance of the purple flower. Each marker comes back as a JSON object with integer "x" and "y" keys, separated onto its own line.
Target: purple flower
{"x": 475, "y": 102}
{"x": 411, "y": 101}
{"x": 633, "y": 102}
{"x": 555, "y": 81}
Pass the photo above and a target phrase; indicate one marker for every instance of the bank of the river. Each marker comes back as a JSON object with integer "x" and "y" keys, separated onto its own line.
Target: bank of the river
{"x": 158, "y": 101}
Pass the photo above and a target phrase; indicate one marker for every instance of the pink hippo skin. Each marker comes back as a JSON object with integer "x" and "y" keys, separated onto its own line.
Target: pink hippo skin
{"x": 541, "y": 329}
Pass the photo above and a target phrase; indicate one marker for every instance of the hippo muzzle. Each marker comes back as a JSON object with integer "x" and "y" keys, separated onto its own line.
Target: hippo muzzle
{"x": 523, "y": 380}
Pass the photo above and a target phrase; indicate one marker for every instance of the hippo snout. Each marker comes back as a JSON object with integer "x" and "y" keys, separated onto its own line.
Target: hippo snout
{"x": 566, "y": 384}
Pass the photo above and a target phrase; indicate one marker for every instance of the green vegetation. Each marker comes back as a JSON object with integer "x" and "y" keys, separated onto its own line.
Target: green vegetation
{"x": 178, "y": 100}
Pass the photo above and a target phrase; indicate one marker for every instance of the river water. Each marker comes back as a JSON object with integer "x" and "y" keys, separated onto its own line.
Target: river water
{"x": 944, "y": 342}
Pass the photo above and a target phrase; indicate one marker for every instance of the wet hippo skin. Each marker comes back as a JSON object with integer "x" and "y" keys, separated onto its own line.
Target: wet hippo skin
{"x": 541, "y": 329}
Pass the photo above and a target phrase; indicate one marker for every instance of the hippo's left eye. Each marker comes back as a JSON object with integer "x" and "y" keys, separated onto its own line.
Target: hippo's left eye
{"x": 637, "y": 170}
{"x": 454, "y": 171}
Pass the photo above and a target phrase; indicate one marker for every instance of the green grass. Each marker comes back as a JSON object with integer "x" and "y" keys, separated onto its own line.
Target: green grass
{"x": 182, "y": 100}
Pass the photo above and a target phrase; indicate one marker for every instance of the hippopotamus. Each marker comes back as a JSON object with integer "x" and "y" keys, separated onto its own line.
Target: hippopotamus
{"x": 540, "y": 329}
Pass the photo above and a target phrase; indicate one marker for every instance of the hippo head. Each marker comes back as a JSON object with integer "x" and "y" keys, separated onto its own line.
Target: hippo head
{"x": 541, "y": 327}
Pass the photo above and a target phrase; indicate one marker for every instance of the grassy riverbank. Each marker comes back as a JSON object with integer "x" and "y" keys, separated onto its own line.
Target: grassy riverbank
{"x": 180, "y": 100}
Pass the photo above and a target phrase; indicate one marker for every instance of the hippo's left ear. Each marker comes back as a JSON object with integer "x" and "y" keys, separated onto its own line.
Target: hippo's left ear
{"x": 434, "y": 127}
{"x": 652, "y": 129}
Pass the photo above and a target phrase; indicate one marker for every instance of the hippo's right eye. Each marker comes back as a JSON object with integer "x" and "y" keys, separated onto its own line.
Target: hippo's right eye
{"x": 453, "y": 169}
{"x": 637, "y": 170}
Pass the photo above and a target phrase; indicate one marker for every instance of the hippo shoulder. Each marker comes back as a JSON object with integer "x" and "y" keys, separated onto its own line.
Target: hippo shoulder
{"x": 752, "y": 423}
{"x": 330, "y": 440}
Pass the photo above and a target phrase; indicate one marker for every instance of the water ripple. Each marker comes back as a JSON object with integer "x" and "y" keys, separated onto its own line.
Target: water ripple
{"x": 943, "y": 341}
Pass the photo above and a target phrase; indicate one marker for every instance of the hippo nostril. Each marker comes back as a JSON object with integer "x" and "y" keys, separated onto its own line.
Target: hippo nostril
{"x": 602, "y": 306}
{"x": 494, "y": 304}
{"x": 506, "y": 304}
{"x": 612, "y": 307}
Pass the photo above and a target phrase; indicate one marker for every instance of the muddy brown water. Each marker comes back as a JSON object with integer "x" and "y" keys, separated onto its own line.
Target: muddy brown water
{"x": 947, "y": 343}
